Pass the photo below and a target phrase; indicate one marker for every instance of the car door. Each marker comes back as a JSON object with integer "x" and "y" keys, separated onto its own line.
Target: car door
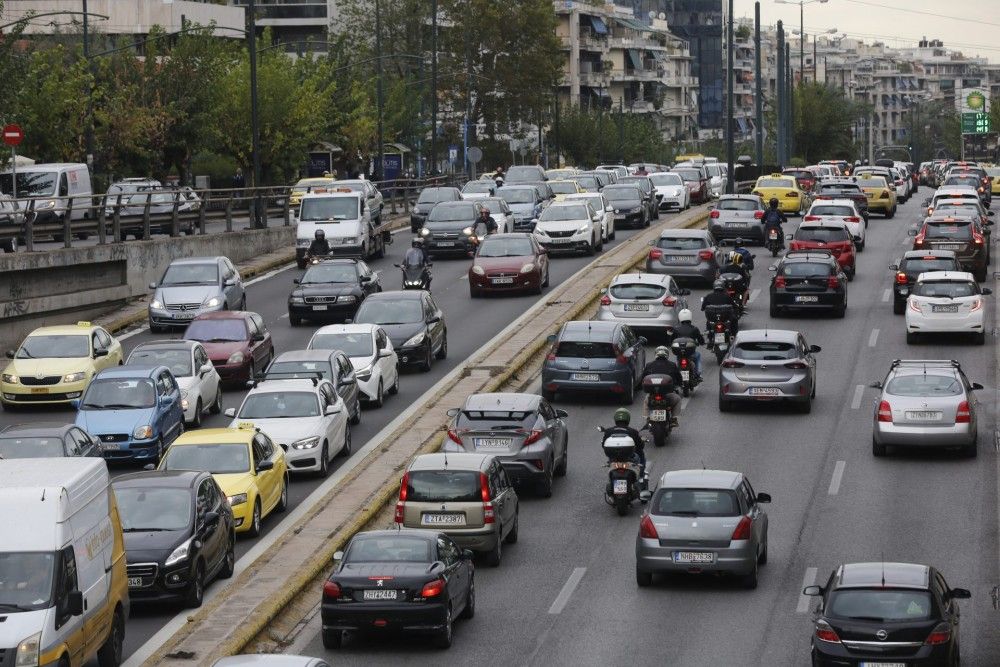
{"x": 456, "y": 575}
{"x": 388, "y": 370}
{"x": 98, "y": 345}
{"x": 260, "y": 341}
{"x": 347, "y": 385}
{"x": 213, "y": 542}
{"x": 334, "y": 425}
{"x": 757, "y": 515}
{"x": 208, "y": 377}
{"x": 502, "y": 499}
{"x": 435, "y": 322}
{"x": 267, "y": 480}
{"x": 79, "y": 443}
{"x": 951, "y": 609}
{"x": 554, "y": 428}
{"x": 171, "y": 415}
{"x": 232, "y": 283}
{"x": 973, "y": 401}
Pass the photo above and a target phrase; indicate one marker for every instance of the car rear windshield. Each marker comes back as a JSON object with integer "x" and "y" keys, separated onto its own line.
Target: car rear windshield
{"x": 918, "y": 266}
{"x": 494, "y": 419}
{"x": 765, "y": 351}
{"x": 518, "y": 195}
{"x": 774, "y": 183}
{"x": 681, "y": 243}
{"x": 585, "y": 350}
{"x": 689, "y": 174}
{"x": 872, "y": 182}
{"x": 217, "y": 331}
{"x": 695, "y": 502}
{"x": 667, "y": 179}
{"x": 389, "y": 549}
{"x": 31, "y": 447}
{"x": 822, "y": 234}
{"x": 737, "y": 205}
{"x": 880, "y": 604}
{"x": 846, "y": 190}
{"x": 972, "y": 181}
{"x": 623, "y": 193}
{"x": 439, "y": 486}
{"x": 803, "y": 173}
{"x": 806, "y": 270}
{"x": 588, "y": 182}
{"x": 564, "y": 213}
{"x": 826, "y": 209}
{"x": 637, "y": 291}
{"x": 945, "y": 288}
{"x": 924, "y": 385}
{"x": 451, "y": 213}
{"x": 564, "y": 187}
{"x": 478, "y": 187}
{"x": 959, "y": 229}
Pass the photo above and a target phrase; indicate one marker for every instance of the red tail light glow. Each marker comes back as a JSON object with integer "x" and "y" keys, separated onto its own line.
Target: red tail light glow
{"x": 730, "y": 363}
{"x": 484, "y": 489}
{"x": 605, "y": 300}
{"x": 811, "y": 218}
{"x": 884, "y": 412}
{"x": 705, "y": 254}
{"x": 669, "y": 301}
{"x": 742, "y": 531}
{"x": 655, "y": 253}
{"x": 533, "y": 436}
{"x": 432, "y": 589}
{"x": 719, "y": 326}
{"x": 331, "y": 589}
{"x": 647, "y": 530}
{"x": 852, "y": 218}
{"x": 825, "y": 633}
{"x": 833, "y": 282}
{"x": 684, "y": 363}
{"x": 759, "y": 215}
{"x": 901, "y": 278}
{"x": 779, "y": 282}
{"x": 977, "y": 238}
{"x": 713, "y": 214}
{"x": 963, "y": 415}
{"x": 454, "y": 437}
{"x": 797, "y": 365}
{"x": 941, "y": 634}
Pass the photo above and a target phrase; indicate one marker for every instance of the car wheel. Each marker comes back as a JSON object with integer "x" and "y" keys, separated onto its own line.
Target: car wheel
{"x": 775, "y": 311}
{"x": 443, "y": 352}
{"x": 300, "y": 263}
{"x": 394, "y": 389}
{"x": 196, "y": 590}
{"x": 972, "y": 450}
{"x": 333, "y": 639}
{"x": 841, "y": 311}
{"x": 980, "y": 274}
{"x": 229, "y": 562}
{"x": 355, "y": 419}
{"x": 196, "y": 422}
{"x": 110, "y": 653}
{"x": 979, "y": 338}
{"x": 878, "y": 449}
{"x": 283, "y": 499}
{"x": 428, "y": 361}
{"x": 494, "y": 555}
{"x": 643, "y": 579}
{"x": 898, "y": 307}
{"x": 911, "y": 338}
{"x": 216, "y": 407}
{"x": 324, "y": 461}
{"x": 591, "y": 249}
{"x": 474, "y": 293}
{"x": 861, "y": 246}
{"x": 470, "y": 601}
{"x": 348, "y": 443}
{"x": 512, "y": 533}
{"x": 629, "y": 394}
{"x": 545, "y": 485}
{"x": 806, "y": 406}
{"x": 159, "y": 449}
{"x": 546, "y": 283}
{"x": 750, "y": 580}
{"x": 563, "y": 464}
{"x": 548, "y": 395}
{"x": 154, "y": 328}
{"x": 444, "y": 637}
{"x": 255, "y": 520}
{"x": 762, "y": 558}
{"x": 379, "y": 399}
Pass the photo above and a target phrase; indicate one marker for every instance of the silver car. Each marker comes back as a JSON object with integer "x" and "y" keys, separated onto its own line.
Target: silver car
{"x": 193, "y": 286}
{"x": 685, "y": 253}
{"x": 738, "y": 217}
{"x": 647, "y": 302}
{"x": 768, "y": 365}
{"x": 926, "y": 403}
{"x": 524, "y": 431}
{"x": 702, "y": 521}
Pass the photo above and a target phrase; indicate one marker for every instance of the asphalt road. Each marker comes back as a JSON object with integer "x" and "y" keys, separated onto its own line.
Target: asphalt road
{"x": 566, "y": 592}
{"x": 472, "y": 324}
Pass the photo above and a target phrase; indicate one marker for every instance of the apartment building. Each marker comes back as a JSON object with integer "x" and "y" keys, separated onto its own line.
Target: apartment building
{"x": 131, "y": 18}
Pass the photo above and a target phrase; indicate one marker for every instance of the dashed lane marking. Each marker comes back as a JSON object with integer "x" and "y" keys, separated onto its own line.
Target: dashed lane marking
{"x": 838, "y": 475}
{"x": 567, "y": 590}
{"x": 859, "y": 392}
{"x": 873, "y": 338}
{"x": 808, "y": 580}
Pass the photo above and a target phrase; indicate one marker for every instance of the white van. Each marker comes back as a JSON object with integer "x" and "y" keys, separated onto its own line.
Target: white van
{"x": 63, "y": 582}
{"x": 61, "y": 186}
{"x": 346, "y": 220}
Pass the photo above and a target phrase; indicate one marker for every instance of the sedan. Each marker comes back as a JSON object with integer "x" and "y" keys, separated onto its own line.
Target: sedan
{"x": 911, "y": 265}
{"x": 768, "y": 365}
{"x": 671, "y": 192}
{"x": 646, "y": 302}
{"x": 946, "y": 302}
{"x": 602, "y": 207}
{"x": 192, "y": 286}
{"x": 413, "y": 322}
{"x": 840, "y": 211}
{"x": 201, "y": 386}
{"x": 40, "y": 440}
{"x": 424, "y": 583}
{"x": 685, "y": 254}
{"x": 376, "y": 365}
{"x": 238, "y": 343}
{"x": 595, "y": 358}
{"x": 509, "y": 262}
{"x": 702, "y": 521}
{"x": 630, "y": 205}
{"x": 157, "y": 202}
{"x": 332, "y": 289}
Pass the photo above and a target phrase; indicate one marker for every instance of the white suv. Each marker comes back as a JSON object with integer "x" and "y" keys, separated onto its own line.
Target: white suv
{"x": 570, "y": 225}
{"x": 376, "y": 365}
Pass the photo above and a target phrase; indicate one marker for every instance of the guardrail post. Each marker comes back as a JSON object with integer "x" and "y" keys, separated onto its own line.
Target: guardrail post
{"x": 201, "y": 216}
{"x": 102, "y": 233}
{"x": 229, "y": 213}
{"x": 175, "y": 227}
{"x": 286, "y": 211}
{"x": 145, "y": 219}
{"x": 406, "y": 198}
{"x": 29, "y": 227}
{"x": 392, "y": 200}
{"x": 116, "y": 221}
{"x": 68, "y": 225}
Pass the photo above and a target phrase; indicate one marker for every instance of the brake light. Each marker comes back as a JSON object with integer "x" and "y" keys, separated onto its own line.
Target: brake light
{"x": 705, "y": 254}
{"x": 919, "y": 238}
{"x": 331, "y": 589}
{"x": 759, "y": 215}
{"x": 655, "y": 253}
{"x": 963, "y": 415}
{"x": 605, "y": 300}
{"x": 797, "y": 365}
{"x": 484, "y": 489}
{"x": 713, "y": 214}
{"x": 914, "y": 306}
{"x": 941, "y": 634}
{"x": 901, "y": 278}
{"x": 811, "y": 218}
{"x": 719, "y": 326}
{"x": 453, "y": 436}
{"x": 825, "y": 633}
{"x": 619, "y": 356}
{"x": 534, "y": 435}
{"x": 684, "y": 363}
{"x": 403, "y": 491}
{"x": 432, "y": 589}
{"x": 852, "y": 218}
{"x": 977, "y": 238}
{"x": 669, "y": 301}
{"x": 647, "y": 530}
{"x": 742, "y": 531}
{"x": 732, "y": 363}
{"x": 657, "y": 397}
{"x": 884, "y": 412}
{"x": 779, "y": 282}
{"x": 833, "y": 282}
{"x": 551, "y": 356}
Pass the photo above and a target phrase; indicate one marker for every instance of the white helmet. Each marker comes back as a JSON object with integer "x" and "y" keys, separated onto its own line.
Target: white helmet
{"x": 684, "y": 316}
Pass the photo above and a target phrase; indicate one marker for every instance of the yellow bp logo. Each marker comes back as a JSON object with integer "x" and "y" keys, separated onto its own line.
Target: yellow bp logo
{"x": 976, "y": 101}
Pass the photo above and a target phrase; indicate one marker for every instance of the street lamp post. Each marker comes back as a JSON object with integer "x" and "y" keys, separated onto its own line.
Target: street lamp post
{"x": 379, "y": 93}
{"x": 730, "y": 143}
{"x": 802, "y": 31}
{"x": 255, "y": 221}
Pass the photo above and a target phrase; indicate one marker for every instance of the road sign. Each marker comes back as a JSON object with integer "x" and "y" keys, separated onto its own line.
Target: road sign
{"x": 12, "y": 134}
{"x": 976, "y": 123}
{"x": 452, "y": 153}
{"x": 475, "y": 154}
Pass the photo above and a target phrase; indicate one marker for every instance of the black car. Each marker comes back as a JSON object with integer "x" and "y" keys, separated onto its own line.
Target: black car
{"x": 913, "y": 263}
{"x": 331, "y": 290}
{"x": 398, "y": 580}
{"x": 450, "y": 229}
{"x": 430, "y": 197}
{"x": 41, "y": 440}
{"x": 179, "y": 534}
{"x": 645, "y": 184}
{"x": 413, "y": 322}
{"x": 629, "y": 204}
{"x": 843, "y": 188}
{"x": 886, "y": 613}
{"x": 808, "y": 280}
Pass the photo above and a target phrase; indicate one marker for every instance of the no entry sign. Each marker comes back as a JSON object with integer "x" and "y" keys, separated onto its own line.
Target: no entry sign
{"x": 12, "y": 135}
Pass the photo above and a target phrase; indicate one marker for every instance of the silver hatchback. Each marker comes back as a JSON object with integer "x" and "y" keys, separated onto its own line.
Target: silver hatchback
{"x": 768, "y": 365}
{"x": 703, "y": 521}
{"x": 685, "y": 253}
{"x": 738, "y": 217}
{"x": 647, "y": 302}
{"x": 926, "y": 403}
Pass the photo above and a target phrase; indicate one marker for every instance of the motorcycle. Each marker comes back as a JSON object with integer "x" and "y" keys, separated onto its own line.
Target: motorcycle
{"x": 627, "y": 480}
{"x": 684, "y": 349}
{"x": 660, "y": 418}
{"x": 719, "y": 332}
{"x": 316, "y": 259}
{"x": 734, "y": 282}
{"x": 774, "y": 244}
{"x": 416, "y": 277}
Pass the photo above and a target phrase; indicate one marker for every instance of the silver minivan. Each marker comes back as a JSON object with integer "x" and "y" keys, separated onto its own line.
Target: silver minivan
{"x": 193, "y": 286}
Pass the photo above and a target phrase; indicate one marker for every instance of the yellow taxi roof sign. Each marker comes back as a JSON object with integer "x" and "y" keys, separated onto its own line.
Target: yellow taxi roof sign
{"x": 82, "y": 323}
{"x": 777, "y": 175}
{"x": 247, "y": 426}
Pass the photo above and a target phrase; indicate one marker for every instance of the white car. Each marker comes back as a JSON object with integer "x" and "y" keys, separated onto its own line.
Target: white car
{"x": 716, "y": 180}
{"x": 568, "y": 226}
{"x": 199, "y": 382}
{"x": 952, "y": 192}
{"x": 946, "y": 302}
{"x": 671, "y": 193}
{"x": 602, "y": 207}
{"x": 376, "y": 365}
{"x": 306, "y": 417}
{"x": 839, "y": 210}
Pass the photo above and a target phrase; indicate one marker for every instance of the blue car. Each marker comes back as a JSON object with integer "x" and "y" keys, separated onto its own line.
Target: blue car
{"x": 135, "y": 411}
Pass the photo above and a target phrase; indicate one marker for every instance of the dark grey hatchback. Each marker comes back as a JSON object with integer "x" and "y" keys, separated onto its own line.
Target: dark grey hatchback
{"x": 594, "y": 357}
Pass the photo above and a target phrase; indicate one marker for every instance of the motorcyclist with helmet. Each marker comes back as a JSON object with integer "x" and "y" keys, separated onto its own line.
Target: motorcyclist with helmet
{"x": 747, "y": 255}
{"x": 621, "y": 427}
{"x": 662, "y": 365}
{"x": 688, "y": 330}
{"x": 486, "y": 220}
{"x": 416, "y": 256}
{"x": 773, "y": 219}
{"x": 320, "y": 246}
{"x": 718, "y": 299}
{"x": 734, "y": 264}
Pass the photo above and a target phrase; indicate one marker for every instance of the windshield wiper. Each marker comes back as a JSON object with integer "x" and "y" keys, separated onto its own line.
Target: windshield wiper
{"x": 145, "y": 530}
{"x": 111, "y": 406}
{"x": 17, "y": 607}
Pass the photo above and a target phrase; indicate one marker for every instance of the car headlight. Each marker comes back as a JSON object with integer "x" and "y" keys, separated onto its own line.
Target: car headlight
{"x": 478, "y": 270}
{"x": 296, "y": 300}
{"x": 29, "y": 651}
{"x": 179, "y": 554}
{"x": 306, "y": 443}
{"x": 237, "y": 499}
{"x": 528, "y": 268}
{"x": 467, "y": 231}
{"x": 10, "y": 378}
{"x": 416, "y": 340}
{"x": 184, "y": 400}
{"x": 364, "y": 374}
{"x": 213, "y": 302}
{"x": 74, "y": 377}
{"x": 303, "y": 243}
{"x": 540, "y": 231}
{"x": 143, "y": 432}
{"x": 583, "y": 229}
{"x": 45, "y": 205}
{"x": 425, "y": 232}
{"x": 347, "y": 298}
{"x": 156, "y": 303}
{"x": 235, "y": 358}
{"x": 635, "y": 210}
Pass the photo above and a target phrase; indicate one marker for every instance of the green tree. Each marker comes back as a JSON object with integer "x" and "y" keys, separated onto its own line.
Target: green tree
{"x": 589, "y": 137}
{"x": 52, "y": 104}
{"x": 824, "y": 121}
{"x": 14, "y": 63}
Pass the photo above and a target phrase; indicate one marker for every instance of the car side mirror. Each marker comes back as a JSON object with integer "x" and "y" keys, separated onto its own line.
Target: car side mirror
{"x": 763, "y": 497}
{"x": 986, "y": 291}
{"x": 551, "y": 338}
{"x": 385, "y": 354}
{"x": 230, "y": 412}
{"x": 543, "y": 251}
{"x": 100, "y": 353}
{"x": 959, "y": 594}
{"x": 205, "y": 369}
{"x": 466, "y": 554}
{"x": 812, "y": 591}
{"x": 813, "y": 349}
{"x": 74, "y": 603}
{"x": 296, "y": 280}
{"x": 10, "y": 354}
{"x": 366, "y": 279}
{"x": 894, "y": 267}
{"x": 876, "y": 385}
{"x": 642, "y": 340}
{"x": 211, "y": 519}
{"x": 562, "y": 414}
{"x": 433, "y": 319}
{"x": 645, "y": 496}
{"x": 976, "y": 386}
{"x": 152, "y": 285}
{"x": 609, "y": 209}
{"x": 338, "y": 555}
{"x": 911, "y": 232}
{"x": 230, "y": 282}
{"x": 332, "y": 410}
{"x": 265, "y": 465}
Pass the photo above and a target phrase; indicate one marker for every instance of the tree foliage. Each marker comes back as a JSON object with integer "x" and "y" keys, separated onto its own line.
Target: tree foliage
{"x": 824, "y": 122}
{"x": 591, "y": 137}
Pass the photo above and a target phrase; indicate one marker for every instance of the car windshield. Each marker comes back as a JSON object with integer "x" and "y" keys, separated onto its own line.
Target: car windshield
{"x": 563, "y": 214}
{"x": 765, "y": 351}
{"x": 682, "y": 243}
{"x": 637, "y": 291}
{"x": 178, "y": 360}
{"x": 478, "y": 187}
{"x": 689, "y": 174}
{"x": 440, "y": 486}
{"x": 879, "y": 604}
{"x": 222, "y": 459}
{"x": 738, "y": 205}
{"x": 330, "y": 273}
{"x": 518, "y": 195}
{"x": 217, "y": 331}
{"x": 972, "y": 181}
{"x": 800, "y": 174}
{"x": 54, "y": 346}
{"x": 695, "y": 502}
{"x": 494, "y": 420}
{"x": 563, "y": 187}
{"x": 119, "y": 394}
{"x": 493, "y": 205}
{"x": 627, "y": 193}
{"x": 667, "y": 179}
{"x": 389, "y": 549}
{"x": 30, "y": 184}
{"x": 528, "y": 173}
{"x": 924, "y": 385}
{"x": 300, "y": 369}
{"x": 587, "y": 183}
{"x": 31, "y": 447}
{"x": 872, "y": 182}
{"x": 945, "y": 288}
{"x": 959, "y": 230}
{"x": 585, "y": 350}
{"x": 26, "y": 580}
{"x": 433, "y": 196}
{"x": 312, "y": 186}
{"x": 826, "y": 209}
{"x": 509, "y": 247}
{"x": 153, "y": 197}
{"x": 838, "y": 190}
{"x": 329, "y": 209}
{"x": 191, "y": 274}
{"x": 278, "y": 405}
{"x": 452, "y": 213}
{"x": 822, "y": 234}
{"x": 806, "y": 270}
{"x": 918, "y": 266}
{"x": 775, "y": 183}
{"x": 145, "y": 509}
{"x": 383, "y": 311}
{"x": 351, "y": 344}
{"x": 964, "y": 210}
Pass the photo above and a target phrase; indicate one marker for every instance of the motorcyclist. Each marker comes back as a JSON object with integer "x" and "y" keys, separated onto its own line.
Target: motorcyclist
{"x": 688, "y": 330}
{"x": 319, "y": 247}
{"x": 416, "y": 256}
{"x": 747, "y": 255}
{"x": 718, "y": 299}
{"x": 486, "y": 220}
{"x": 662, "y": 365}
{"x": 621, "y": 427}
{"x": 734, "y": 264}
{"x": 773, "y": 218}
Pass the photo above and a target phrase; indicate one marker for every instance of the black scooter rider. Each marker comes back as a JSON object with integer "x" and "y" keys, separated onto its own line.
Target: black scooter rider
{"x": 662, "y": 365}
{"x": 773, "y": 219}
{"x": 416, "y": 256}
{"x": 719, "y": 299}
{"x": 319, "y": 247}
{"x": 734, "y": 264}
{"x": 621, "y": 427}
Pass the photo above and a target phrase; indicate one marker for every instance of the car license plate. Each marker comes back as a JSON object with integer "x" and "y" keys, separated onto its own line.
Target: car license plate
{"x": 764, "y": 391}
{"x": 585, "y": 377}
{"x": 112, "y": 446}
{"x": 39, "y": 390}
{"x": 945, "y": 309}
{"x": 948, "y": 246}
{"x": 443, "y": 244}
{"x": 621, "y": 487}
{"x": 680, "y": 259}
{"x": 883, "y": 664}
{"x": 657, "y": 415}
{"x": 924, "y": 415}
{"x": 637, "y": 307}
{"x": 443, "y": 519}
{"x": 493, "y": 443}
{"x": 693, "y": 557}
{"x": 503, "y": 281}
{"x": 806, "y": 299}
{"x": 737, "y": 225}
{"x": 379, "y": 594}
{"x": 685, "y": 375}
{"x": 561, "y": 241}
{"x": 619, "y": 218}
{"x": 320, "y": 307}
{"x": 135, "y": 582}
{"x": 720, "y": 338}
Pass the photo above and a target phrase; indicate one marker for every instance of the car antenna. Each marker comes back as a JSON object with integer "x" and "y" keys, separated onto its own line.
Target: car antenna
{"x": 883, "y": 569}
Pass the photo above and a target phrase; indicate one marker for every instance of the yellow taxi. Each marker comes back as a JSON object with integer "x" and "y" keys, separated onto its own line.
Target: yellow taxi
{"x": 690, "y": 157}
{"x": 881, "y": 197}
{"x": 249, "y": 467}
{"x": 562, "y": 188}
{"x": 784, "y": 188}
{"x": 994, "y": 174}
{"x": 55, "y": 364}
{"x": 561, "y": 173}
{"x": 308, "y": 185}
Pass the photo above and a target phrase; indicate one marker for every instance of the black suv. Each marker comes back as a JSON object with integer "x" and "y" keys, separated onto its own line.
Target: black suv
{"x": 889, "y": 613}
{"x": 449, "y": 229}
{"x": 913, "y": 263}
{"x": 428, "y": 199}
{"x": 808, "y": 280}
{"x": 843, "y": 188}
{"x": 331, "y": 290}
{"x": 961, "y": 234}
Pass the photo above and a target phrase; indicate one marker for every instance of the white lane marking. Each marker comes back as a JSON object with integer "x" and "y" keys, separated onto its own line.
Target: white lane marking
{"x": 838, "y": 474}
{"x": 283, "y": 317}
{"x": 873, "y": 338}
{"x": 567, "y": 590}
{"x": 886, "y": 295}
{"x": 753, "y": 295}
{"x": 858, "y": 393}
{"x": 808, "y": 580}
{"x": 129, "y": 334}
{"x": 906, "y": 241}
{"x": 464, "y": 276}
{"x": 685, "y": 401}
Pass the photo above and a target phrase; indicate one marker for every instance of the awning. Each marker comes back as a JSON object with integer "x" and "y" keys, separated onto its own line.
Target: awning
{"x": 598, "y": 25}
{"x": 393, "y": 147}
{"x": 742, "y": 124}
{"x": 634, "y": 24}
{"x": 659, "y": 56}
{"x": 635, "y": 57}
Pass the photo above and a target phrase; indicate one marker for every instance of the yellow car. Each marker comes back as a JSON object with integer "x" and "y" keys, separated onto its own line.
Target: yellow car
{"x": 308, "y": 185}
{"x": 994, "y": 174}
{"x": 563, "y": 188}
{"x": 785, "y": 189}
{"x": 881, "y": 197}
{"x": 248, "y": 466}
{"x": 55, "y": 364}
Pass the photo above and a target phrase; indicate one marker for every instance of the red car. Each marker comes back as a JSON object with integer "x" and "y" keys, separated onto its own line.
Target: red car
{"x": 507, "y": 263}
{"x": 827, "y": 236}
{"x": 237, "y": 342}
{"x": 695, "y": 181}
{"x": 806, "y": 179}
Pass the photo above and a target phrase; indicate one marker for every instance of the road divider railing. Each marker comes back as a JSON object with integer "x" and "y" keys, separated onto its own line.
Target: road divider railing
{"x": 288, "y": 571}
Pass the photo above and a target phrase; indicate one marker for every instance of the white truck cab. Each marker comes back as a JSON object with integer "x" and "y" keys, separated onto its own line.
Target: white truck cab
{"x": 352, "y": 229}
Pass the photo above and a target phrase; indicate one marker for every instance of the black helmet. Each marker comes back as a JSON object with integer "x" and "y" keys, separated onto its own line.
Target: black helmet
{"x": 320, "y": 235}
{"x": 622, "y": 417}
{"x": 738, "y": 242}
{"x": 773, "y": 202}
{"x": 719, "y": 285}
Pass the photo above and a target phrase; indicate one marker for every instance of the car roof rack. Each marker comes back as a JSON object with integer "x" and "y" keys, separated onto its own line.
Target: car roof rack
{"x": 806, "y": 253}
{"x": 315, "y": 378}
{"x": 952, "y": 363}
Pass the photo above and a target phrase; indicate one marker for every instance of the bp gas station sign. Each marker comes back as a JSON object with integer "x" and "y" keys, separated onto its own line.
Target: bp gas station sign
{"x": 974, "y": 105}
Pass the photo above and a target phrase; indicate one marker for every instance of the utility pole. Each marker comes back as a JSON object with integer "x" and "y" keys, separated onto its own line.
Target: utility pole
{"x": 802, "y": 41}
{"x": 255, "y": 221}
{"x": 621, "y": 130}
{"x": 758, "y": 93}
{"x": 780, "y": 89}
{"x": 790, "y": 111}
{"x": 816, "y": 64}
{"x": 555, "y": 122}
{"x": 380, "y": 95}
{"x": 730, "y": 141}
{"x": 90, "y": 90}
{"x": 434, "y": 86}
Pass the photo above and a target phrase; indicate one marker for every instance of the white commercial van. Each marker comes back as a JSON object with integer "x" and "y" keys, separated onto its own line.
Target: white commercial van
{"x": 58, "y": 187}
{"x": 63, "y": 582}
{"x": 352, "y": 229}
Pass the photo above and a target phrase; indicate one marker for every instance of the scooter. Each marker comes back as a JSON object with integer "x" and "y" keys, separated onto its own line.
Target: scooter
{"x": 627, "y": 481}
{"x": 774, "y": 244}
{"x": 684, "y": 349}
{"x": 660, "y": 417}
{"x": 416, "y": 277}
{"x": 733, "y": 282}
{"x": 719, "y": 331}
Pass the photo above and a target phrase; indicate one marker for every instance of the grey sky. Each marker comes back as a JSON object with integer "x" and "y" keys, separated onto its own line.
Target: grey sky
{"x": 968, "y": 26}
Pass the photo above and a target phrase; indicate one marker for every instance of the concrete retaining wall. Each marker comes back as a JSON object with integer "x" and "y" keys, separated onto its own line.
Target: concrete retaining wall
{"x": 37, "y": 289}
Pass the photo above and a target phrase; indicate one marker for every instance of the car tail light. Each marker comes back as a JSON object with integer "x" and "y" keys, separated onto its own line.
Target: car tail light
{"x": 605, "y": 300}
{"x": 914, "y": 306}
{"x": 976, "y": 305}
{"x": 833, "y": 282}
{"x": 534, "y": 435}
{"x": 619, "y": 355}
{"x": 941, "y": 634}
{"x": 484, "y": 488}
{"x": 963, "y": 415}
{"x": 655, "y": 253}
{"x": 797, "y": 365}
{"x": 713, "y": 214}
{"x": 669, "y": 301}
{"x": 705, "y": 255}
{"x": 811, "y": 218}
{"x": 454, "y": 437}
{"x": 403, "y": 491}
{"x": 731, "y": 363}
{"x": 758, "y": 215}
{"x": 331, "y": 589}
{"x": 647, "y": 529}
{"x": 719, "y": 326}
{"x": 551, "y": 356}
{"x": 884, "y": 412}
{"x": 742, "y": 531}
{"x": 432, "y": 589}
{"x": 977, "y": 238}
{"x": 657, "y": 397}
{"x": 852, "y": 218}
{"x": 899, "y": 182}
{"x": 825, "y": 633}
{"x": 901, "y": 278}
{"x": 885, "y": 194}
{"x": 919, "y": 238}
{"x": 779, "y": 282}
